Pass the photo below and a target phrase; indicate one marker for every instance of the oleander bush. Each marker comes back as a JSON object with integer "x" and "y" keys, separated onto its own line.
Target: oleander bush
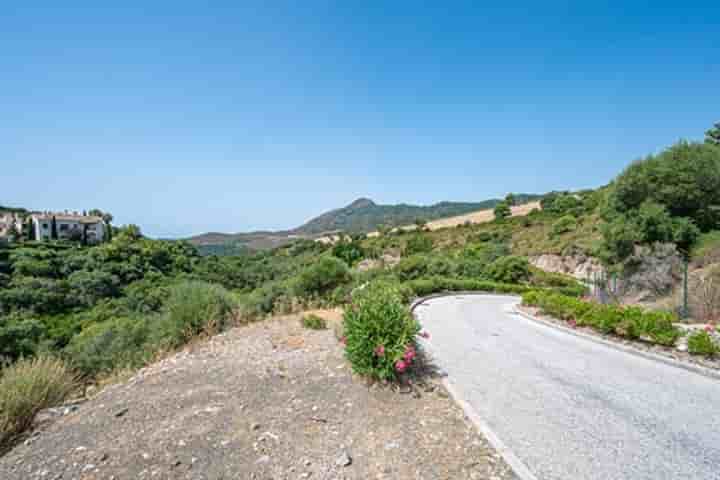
{"x": 380, "y": 332}
{"x": 628, "y": 322}
{"x": 701, "y": 343}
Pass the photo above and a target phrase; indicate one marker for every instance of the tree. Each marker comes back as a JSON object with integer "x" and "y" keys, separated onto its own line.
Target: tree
{"x": 712, "y": 136}
{"x": 420, "y": 223}
{"x": 53, "y": 229}
{"x": 502, "y": 211}
{"x": 510, "y": 199}
{"x": 29, "y": 229}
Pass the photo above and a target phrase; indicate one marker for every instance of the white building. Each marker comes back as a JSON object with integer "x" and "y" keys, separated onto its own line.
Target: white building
{"x": 69, "y": 226}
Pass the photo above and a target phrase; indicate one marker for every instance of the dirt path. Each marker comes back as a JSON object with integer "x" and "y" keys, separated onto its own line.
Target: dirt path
{"x": 267, "y": 401}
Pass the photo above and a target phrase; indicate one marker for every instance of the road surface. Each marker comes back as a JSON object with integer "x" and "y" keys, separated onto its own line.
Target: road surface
{"x": 570, "y": 408}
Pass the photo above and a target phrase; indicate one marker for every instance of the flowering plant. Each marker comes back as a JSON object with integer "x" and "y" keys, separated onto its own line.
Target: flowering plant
{"x": 380, "y": 332}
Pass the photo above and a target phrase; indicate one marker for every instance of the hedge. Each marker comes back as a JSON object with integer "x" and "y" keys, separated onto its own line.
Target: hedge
{"x": 625, "y": 321}
{"x": 425, "y": 286}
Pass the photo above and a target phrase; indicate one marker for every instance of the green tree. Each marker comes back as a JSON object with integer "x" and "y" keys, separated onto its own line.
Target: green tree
{"x": 502, "y": 211}
{"x": 420, "y": 224}
{"x": 712, "y": 136}
{"x": 29, "y": 229}
{"x": 510, "y": 199}
{"x": 53, "y": 228}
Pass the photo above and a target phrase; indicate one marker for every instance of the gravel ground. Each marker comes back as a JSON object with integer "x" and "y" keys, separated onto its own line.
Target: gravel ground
{"x": 266, "y": 401}
{"x": 568, "y": 407}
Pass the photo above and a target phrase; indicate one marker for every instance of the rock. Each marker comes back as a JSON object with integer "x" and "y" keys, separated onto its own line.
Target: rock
{"x": 263, "y": 459}
{"x": 255, "y": 426}
{"x": 343, "y": 460}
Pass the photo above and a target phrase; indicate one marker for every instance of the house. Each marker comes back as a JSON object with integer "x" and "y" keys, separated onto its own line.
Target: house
{"x": 10, "y": 224}
{"x": 69, "y": 225}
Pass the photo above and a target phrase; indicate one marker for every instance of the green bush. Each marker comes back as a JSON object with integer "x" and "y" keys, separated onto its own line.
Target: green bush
{"x": 629, "y": 322}
{"x": 564, "y": 224}
{"x": 28, "y": 386}
{"x": 313, "y": 322}
{"x": 418, "y": 243}
{"x": 349, "y": 252}
{"x": 19, "y": 336}
{"x": 192, "y": 308}
{"x": 380, "y": 332}
{"x": 510, "y": 269}
{"x": 410, "y": 268}
{"x": 322, "y": 277}
{"x": 701, "y": 343}
{"x": 103, "y": 347}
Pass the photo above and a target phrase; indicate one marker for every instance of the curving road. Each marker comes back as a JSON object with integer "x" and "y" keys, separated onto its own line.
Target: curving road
{"x": 570, "y": 408}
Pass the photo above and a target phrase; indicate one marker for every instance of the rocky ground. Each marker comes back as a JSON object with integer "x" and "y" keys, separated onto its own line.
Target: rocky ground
{"x": 268, "y": 401}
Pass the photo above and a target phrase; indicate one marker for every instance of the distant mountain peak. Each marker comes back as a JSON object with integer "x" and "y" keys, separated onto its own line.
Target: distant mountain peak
{"x": 361, "y": 203}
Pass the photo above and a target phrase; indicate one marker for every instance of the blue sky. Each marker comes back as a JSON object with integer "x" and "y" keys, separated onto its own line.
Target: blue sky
{"x": 185, "y": 117}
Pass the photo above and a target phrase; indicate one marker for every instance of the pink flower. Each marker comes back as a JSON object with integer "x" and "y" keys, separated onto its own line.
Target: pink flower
{"x": 425, "y": 334}
{"x": 709, "y": 328}
{"x": 409, "y": 353}
{"x": 572, "y": 323}
{"x": 400, "y": 366}
{"x": 380, "y": 351}
{"x": 343, "y": 340}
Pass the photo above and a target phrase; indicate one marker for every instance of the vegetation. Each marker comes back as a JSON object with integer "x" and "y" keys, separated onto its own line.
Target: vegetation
{"x": 27, "y": 387}
{"x": 314, "y": 322}
{"x": 380, "y": 332}
{"x": 701, "y": 343}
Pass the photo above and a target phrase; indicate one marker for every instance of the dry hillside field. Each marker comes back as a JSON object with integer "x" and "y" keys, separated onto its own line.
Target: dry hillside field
{"x": 271, "y": 400}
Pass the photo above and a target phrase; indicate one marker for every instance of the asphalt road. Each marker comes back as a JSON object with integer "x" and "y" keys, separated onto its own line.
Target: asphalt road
{"x": 570, "y": 408}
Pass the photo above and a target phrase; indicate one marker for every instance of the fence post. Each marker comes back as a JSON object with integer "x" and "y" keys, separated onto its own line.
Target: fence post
{"x": 684, "y": 313}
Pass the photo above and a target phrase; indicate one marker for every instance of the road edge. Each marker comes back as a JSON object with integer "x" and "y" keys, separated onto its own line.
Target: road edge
{"x": 518, "y": 467}
{"x": 521, "y": 471}
{"x": 706, "y": 372}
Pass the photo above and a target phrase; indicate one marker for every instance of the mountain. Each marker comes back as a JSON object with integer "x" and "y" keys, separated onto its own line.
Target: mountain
{"x": 361, "y": 216}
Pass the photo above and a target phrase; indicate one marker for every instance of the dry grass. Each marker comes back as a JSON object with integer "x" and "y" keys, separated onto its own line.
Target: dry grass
{"x": 28, "y": 386}
{"x": 481, "y": 216}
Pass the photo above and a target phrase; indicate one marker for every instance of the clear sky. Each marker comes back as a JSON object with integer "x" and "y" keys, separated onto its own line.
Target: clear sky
{"x": 185, "y": 117}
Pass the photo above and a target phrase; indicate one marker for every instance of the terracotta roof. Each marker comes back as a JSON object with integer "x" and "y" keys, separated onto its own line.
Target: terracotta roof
{"x": 68, "y": 217}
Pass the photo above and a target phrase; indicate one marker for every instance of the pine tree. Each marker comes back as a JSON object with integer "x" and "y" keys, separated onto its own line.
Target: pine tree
{"x": 53, "y": 229}
{"x": 712, "y": 136}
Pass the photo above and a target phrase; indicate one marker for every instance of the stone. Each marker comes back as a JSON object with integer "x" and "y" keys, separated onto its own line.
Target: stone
{"x": 343, "y": 460}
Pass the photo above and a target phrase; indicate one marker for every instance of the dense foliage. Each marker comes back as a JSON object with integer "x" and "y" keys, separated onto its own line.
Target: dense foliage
{"x": 669, "y": 197}
{"x": 625, "y": 321}
{"x": 380, "y": 332}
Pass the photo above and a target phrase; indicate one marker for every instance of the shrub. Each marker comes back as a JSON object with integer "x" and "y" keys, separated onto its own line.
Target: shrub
{"x": 107, "y": 346}
{"x": 701, "y": 343}
{"x": 629, "y": 322}
{"x": 28, "y": 386}
{"x": 19, "y": 336}
{"x": 565, "y": 224}
{"x": 510, "y": 269}
{"x": 410, "y": 268}
{"x": 349, "y": 252}
{"x": 322, "y": 277}
{"x": 380, "y": 332}
{"x": 313, "y": 322}
{"x": 418, "y": 244}
{"x": 194, "y": 307}
{"x": 502, "y": 211}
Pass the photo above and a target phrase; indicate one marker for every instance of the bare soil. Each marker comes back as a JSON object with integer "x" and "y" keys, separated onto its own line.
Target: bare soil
{"x": 266, "y": 401}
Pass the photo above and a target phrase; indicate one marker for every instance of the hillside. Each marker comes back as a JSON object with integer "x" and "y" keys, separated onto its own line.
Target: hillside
{"x": 361, "y": 216}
